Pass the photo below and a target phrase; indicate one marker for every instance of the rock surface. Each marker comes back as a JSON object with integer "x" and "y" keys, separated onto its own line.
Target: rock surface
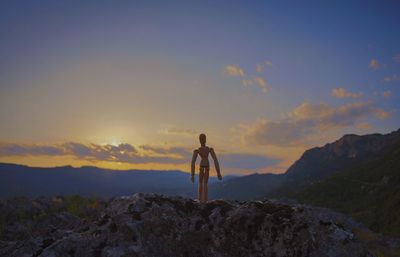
{"x": 155, "y": 225}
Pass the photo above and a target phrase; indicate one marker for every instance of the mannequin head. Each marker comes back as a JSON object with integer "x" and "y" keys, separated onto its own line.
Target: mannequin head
{"x": 202, "y": 139}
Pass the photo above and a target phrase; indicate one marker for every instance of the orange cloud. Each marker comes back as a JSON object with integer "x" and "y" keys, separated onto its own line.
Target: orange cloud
{"x": 257, "y": 81}
{"x": 234, "y": 71}
{"x": 388, "y": 79}
{"x": 396, "y": 58}
{"x": 123, "y": 152}
{"x": 342, "y": 93}
{"x": 261, "y": 67}
{"x": 374, "y": 64}
{"x": 387, "y": 93}
{"x": 380, "y": 113}
{"x": 307, "y": 120}
{"x": 179, "y": 131}
{"x": 261, "y": 83}
{"x": 124, "y": 156}
{"x": 247, "y": 82}
{"x": 364, "y": 126}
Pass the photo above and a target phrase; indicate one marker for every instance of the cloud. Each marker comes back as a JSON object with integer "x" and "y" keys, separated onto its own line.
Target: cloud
{"x": 374, "y": 64}
{"x": 246, "y": 161}
{"x": 179, "y": 131}
{"x": 388, "y": 79}
{"x": 93, "y": 152}
{"x": 261, "y": 83}
{"x": 342, "y": 93}
{"x": 364, "y": 126}
{"x": 396, "y": 58}
{"x": 380, "y": 113}
{"x": 127, "y": 153}
{"x": 166, "y": 151}
{"x": 307, "y": 120}
{"x": 261, "y": 67}
{"x": 247, "y": 82}
{"x": 234, "y": 71}
{"x": 257, "y": 81}
{"x": 387, "y": 93}
{"x": 21, "y": 150}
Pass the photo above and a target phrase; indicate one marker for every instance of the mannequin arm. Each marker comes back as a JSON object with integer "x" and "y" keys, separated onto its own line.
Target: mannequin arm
{"x": 216, "y": 163}
{"x": 194, "y": 158}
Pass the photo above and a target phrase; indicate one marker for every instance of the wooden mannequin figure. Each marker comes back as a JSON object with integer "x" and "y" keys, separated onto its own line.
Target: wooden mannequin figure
{"x": 203, "y": 151}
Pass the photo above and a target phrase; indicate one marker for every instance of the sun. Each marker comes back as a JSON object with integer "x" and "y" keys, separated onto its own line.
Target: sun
{"x": 115, "y": 143}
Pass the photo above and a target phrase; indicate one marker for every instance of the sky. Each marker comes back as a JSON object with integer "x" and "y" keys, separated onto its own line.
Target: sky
{"x": 131, "y": 84}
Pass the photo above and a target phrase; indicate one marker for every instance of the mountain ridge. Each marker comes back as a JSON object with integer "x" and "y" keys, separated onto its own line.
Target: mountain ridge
{"x": 314, "y": 165}
{"x": 22, "y": 180}
{"x": 369, "y": 192}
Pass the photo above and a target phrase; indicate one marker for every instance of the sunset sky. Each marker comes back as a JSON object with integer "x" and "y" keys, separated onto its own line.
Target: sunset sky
{"x": 131, "y": 84}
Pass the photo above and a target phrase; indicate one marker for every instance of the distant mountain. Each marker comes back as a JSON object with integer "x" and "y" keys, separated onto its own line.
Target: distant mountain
{"x": 349, "y": 151}
{"x": 369, "y": 192}
{"x": 314, "y": 165}
{"x": 253, "y": 186}
{"x": 20, "y": 180}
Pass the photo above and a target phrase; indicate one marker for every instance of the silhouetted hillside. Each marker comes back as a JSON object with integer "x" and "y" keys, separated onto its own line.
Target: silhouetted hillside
{"x": 369, "y": 192}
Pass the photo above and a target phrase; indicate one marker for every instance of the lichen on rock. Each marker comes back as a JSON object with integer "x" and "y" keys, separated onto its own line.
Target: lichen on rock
{"x": 156, "y": 225}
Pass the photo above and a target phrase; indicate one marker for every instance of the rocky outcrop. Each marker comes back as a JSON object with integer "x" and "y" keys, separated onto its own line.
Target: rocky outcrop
{"x": 155, "y": 225}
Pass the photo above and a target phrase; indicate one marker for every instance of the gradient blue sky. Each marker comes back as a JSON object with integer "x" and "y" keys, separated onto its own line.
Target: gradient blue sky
{"x": 130, "y": 84}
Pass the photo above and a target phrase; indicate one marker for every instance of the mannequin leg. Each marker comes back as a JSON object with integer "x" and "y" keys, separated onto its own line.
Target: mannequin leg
{"x": 205, "y": 184}
{"x": 201, "y": 178}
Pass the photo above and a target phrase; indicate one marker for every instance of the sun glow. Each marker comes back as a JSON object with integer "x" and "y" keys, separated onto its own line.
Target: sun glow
{"x": 112, "y": 141}
{"x": 115, "y": 143}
